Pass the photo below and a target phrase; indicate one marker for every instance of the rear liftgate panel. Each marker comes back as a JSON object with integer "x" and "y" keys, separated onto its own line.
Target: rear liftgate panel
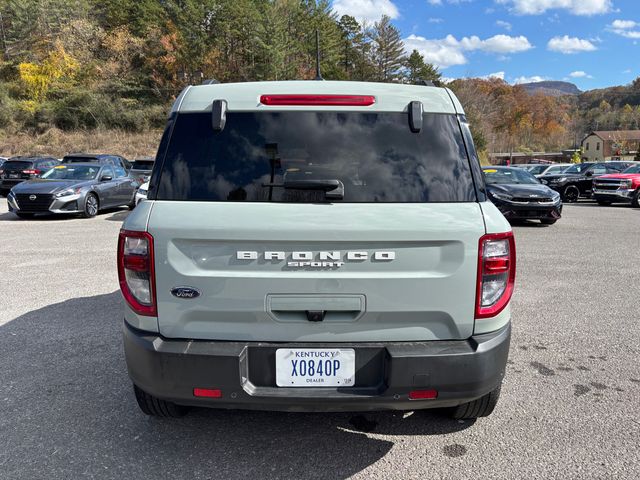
{"x": 316, "y": 272}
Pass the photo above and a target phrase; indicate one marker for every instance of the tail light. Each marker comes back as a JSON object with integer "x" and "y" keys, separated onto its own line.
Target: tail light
{"x": 136, "y": 271}
{"x": 33, "y": 171}
{"x": 496, "y": 273}
{"x": 326, "y": 100}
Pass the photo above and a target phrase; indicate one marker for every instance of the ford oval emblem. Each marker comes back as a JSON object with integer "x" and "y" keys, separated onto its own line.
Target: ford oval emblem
{"x": 185, "y": 292}
{"x": 32, "y": 197}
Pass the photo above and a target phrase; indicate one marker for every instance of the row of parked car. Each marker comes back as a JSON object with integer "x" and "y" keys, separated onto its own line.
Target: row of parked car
{"x": 537, "y": 192}
{"x": 79, "y": 183}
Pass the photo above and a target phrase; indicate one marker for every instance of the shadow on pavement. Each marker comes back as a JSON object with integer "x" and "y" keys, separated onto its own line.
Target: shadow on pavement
{"x": 117, "y": 215}
{"x": 114, "y": 214}
{"x": 67, "y": 410}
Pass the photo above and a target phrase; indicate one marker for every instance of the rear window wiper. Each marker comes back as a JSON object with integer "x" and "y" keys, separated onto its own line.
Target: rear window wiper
{"x": 333, "y": 189}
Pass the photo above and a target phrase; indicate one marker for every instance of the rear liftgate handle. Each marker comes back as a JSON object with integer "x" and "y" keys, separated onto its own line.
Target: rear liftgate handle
{"x": 316, "y": 308}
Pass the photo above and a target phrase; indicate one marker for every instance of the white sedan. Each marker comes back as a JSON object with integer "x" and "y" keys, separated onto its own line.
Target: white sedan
{"x": 141, "y": 194}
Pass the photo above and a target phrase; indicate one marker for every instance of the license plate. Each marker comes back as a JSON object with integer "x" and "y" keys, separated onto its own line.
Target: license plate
{"x": 315, "y": 367}
{"x": 14, "y": 175}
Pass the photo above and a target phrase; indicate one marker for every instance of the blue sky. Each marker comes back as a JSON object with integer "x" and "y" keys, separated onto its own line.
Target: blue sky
{"x": 592, "y": 43}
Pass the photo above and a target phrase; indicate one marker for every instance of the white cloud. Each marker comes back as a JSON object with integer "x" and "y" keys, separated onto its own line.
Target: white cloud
{"x": 580, "y": 74}
{"x": 576, "y": 7}
{"x": 435, "y": 2}
{"x": 443, "y": 52}
{"x": 623, "y": 24}
{"x": 497, "y": 44}
{"x": 499, "y": 75}
{"x": 435, "y": 20}
{"x": 567, "y": 45}
{"x": 369, "y": 10}
{"x": 532, "y": 79}
{"x": 503, "y": 24}
{"x": 624, "y": 28}
{"x": 449, "y": 51}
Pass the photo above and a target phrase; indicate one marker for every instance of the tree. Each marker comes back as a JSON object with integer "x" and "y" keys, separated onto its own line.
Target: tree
{"x": 388, "y": 51}
{"x": 351, "y": 35}
{"x": 417, "y": 69}
{"x": 576, "y": 157}
{"x": 38, "y": 78}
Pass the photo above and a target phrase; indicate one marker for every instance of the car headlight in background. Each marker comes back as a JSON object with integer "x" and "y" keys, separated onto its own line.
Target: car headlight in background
{"x": 142, "y": 192}
{"x": 11, "y": 199}
{"x": 502, "y": 196}
{"x": 69, "y": 191}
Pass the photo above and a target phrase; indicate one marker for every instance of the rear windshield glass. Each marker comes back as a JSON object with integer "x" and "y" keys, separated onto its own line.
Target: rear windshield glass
{"x": 16, "y": 165}
{"x": 142, "y": 165}
{"x": 375, "y": 156}
{"x": 79, "y": 159}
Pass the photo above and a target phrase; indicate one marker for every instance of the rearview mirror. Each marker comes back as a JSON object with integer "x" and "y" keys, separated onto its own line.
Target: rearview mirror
{"x": 589, "y": 174}
{"x": 106, "y": 178}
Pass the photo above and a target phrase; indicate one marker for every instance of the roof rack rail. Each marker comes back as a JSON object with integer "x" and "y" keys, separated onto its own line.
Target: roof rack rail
{"x": 425, "y": 83}
{"x": 210, "y": 81}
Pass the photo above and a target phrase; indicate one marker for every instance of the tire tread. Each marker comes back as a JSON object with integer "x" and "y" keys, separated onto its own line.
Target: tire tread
{"x": 156, "y": 407}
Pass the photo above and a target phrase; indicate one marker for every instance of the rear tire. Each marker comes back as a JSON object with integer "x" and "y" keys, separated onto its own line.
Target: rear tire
{"x": 155, "y": 407}
{"x": 482, "y": 407}
{"x": 548, "y": 221}
{"x": 91, "y": 206}
{"x": 604, "y": 203}
{"x": 570, "y": 194}
{"x": 635, "y": 201}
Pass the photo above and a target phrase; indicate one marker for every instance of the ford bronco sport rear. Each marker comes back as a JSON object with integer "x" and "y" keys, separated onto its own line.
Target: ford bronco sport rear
{"x": 316, "y": 246}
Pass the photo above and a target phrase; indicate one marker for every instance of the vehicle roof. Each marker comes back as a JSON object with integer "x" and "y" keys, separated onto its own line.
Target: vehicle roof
{"x": 29, "y": 158}
{"x": 90, "y": 155}
{"x": 87, "y": 164}
{"x": 245, "y": 96}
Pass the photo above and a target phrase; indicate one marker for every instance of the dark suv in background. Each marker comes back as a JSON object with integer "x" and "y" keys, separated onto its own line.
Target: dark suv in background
{"x": 577, "y": 180}
{"x": 19, "y": 169}
{"x": 102, "y": 158}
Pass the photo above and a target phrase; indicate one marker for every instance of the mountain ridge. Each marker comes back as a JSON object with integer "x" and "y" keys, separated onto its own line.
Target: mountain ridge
{"x": 553, "y": 88}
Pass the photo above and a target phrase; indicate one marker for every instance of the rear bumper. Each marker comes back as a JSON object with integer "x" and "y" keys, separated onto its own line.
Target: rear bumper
{"x": 460, "y": 371}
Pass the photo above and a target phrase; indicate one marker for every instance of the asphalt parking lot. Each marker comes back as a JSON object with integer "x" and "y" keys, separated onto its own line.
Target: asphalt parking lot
{"x": 568, "y": 408}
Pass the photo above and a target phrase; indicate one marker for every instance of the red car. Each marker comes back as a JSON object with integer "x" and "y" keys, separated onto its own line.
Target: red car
{"x": 621, "y": 187}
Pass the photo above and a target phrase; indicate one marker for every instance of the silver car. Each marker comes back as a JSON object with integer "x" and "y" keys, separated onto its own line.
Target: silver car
{"x": 83, "y": 188}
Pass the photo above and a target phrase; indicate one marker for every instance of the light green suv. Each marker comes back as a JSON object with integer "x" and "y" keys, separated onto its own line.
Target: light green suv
{"x": 316, "y": 246}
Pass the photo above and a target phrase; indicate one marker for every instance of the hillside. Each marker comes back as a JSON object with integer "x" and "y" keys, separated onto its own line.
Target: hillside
{"x": 552, "y": 88}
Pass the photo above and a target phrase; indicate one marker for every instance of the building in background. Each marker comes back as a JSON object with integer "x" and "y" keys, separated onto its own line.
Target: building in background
{"x": 602, "y": 145}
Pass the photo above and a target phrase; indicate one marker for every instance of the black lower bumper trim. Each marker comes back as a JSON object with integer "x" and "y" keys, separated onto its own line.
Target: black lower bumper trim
{"x": 460, "y": 370}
